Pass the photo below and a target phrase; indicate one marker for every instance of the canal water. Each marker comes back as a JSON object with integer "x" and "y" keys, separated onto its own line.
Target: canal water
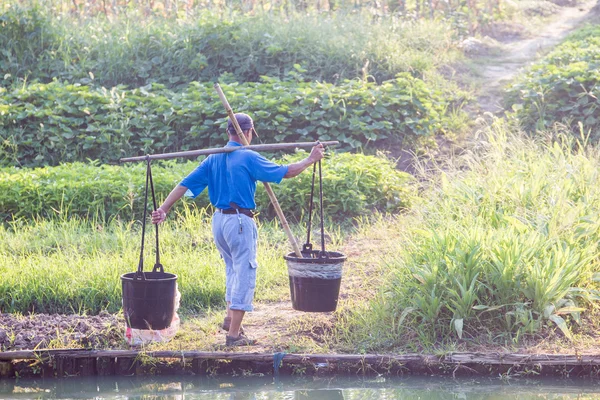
{"x": 295, "y": 388}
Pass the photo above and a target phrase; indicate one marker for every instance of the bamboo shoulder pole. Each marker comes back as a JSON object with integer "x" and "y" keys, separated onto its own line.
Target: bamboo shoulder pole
{"x": 206, "y": 152}
{"x": 274, "y": 201}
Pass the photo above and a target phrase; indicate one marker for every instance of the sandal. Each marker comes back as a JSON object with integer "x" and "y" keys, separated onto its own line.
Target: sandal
{"x": 241, "y": 340}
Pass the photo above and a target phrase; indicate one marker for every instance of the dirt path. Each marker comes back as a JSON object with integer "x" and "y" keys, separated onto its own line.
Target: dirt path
{"x": 519, "y": 54}
{"x": 278, "y": 327}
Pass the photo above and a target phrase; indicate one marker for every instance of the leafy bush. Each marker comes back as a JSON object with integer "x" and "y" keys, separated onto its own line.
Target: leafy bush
{"x": 352, "y": 185}
{"x": 46, "y": 124}
{"x": 175, "y": 52}
{"x": 563, "y": 87}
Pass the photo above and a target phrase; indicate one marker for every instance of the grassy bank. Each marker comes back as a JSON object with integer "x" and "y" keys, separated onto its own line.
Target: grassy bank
{"x": 499, "y": 250}
{"x": 504, "y": 248}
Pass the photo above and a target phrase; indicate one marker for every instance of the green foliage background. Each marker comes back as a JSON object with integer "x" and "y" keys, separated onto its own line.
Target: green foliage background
{"x": 45, "y": 124}
{"x": 501, "y": 249}
{"x": 136, "y": 52}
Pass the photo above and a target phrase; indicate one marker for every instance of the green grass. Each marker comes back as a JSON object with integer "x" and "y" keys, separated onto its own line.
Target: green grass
{"x": 73, "y": 265}
{"x": 503, "y": 246}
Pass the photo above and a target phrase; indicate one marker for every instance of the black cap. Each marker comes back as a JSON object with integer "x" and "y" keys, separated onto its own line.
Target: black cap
{"x": 244, "y": 121}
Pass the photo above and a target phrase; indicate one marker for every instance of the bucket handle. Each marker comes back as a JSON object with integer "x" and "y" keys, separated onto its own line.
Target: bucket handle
{"x": 308, "y": 246}
{"x": 157, "y": 266}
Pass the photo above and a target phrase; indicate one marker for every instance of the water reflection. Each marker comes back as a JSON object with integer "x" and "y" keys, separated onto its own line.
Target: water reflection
{"x": 289, "y": 388}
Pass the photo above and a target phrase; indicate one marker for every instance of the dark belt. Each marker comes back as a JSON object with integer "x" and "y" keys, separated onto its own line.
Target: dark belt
{"x": 245, "y": 211}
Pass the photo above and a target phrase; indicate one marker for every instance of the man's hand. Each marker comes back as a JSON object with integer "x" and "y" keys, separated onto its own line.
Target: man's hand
{"x": 317, "y": 153}
{"x": 158, "y": 216}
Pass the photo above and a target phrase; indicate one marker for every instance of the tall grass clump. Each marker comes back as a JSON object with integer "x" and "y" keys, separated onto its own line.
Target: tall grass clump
{"x": 504, "y": 244}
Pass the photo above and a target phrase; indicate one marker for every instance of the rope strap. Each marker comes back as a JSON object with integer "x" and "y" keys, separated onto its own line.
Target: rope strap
{"x": 149, "y": 184}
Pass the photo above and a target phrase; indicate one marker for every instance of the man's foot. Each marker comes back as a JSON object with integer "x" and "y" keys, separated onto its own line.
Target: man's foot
{"x": 227, "y": 323}
{"x": 241, "y": 340}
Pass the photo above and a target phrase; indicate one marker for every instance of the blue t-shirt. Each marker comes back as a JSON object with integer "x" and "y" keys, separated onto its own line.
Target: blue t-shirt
{"x": 231, "y": 177}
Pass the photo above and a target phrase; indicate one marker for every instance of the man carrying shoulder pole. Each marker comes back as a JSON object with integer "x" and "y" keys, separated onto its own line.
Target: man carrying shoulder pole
{"x": 231, "y": 180}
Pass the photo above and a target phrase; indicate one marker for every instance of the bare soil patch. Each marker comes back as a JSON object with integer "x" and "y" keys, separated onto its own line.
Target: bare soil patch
{"x": 60, "y": 331}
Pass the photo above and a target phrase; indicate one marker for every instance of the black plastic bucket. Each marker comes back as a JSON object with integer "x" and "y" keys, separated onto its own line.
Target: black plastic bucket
{"x": 315, "y": 280}
{"x": 149, "y": 303}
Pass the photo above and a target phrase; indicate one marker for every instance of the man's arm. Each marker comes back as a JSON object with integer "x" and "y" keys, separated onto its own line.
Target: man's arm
{"x": 160, "y": 214}
{"x": 315, "y": 155}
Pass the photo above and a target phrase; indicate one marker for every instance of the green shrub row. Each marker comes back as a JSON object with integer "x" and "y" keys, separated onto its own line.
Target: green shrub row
{"x": 563, "y": 87}
{"x": 132, "y": 52}
{"x": 352, "y": 184}
{"x": 48, "y": 124}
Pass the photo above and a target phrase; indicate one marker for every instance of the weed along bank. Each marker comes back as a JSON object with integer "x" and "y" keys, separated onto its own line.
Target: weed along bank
{"x": 320, "y": 271}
